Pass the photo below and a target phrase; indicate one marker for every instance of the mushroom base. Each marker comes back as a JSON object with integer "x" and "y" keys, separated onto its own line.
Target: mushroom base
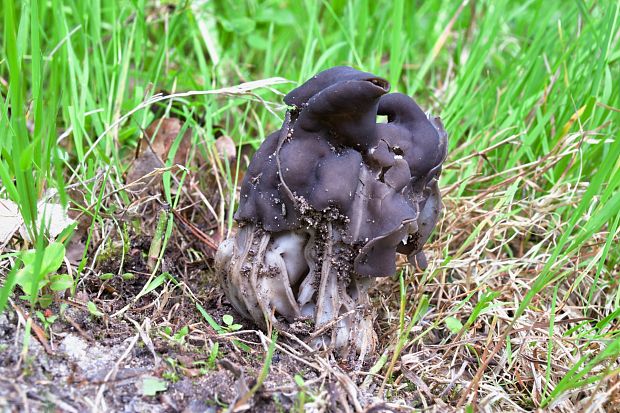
{"x": 301, "y": 282}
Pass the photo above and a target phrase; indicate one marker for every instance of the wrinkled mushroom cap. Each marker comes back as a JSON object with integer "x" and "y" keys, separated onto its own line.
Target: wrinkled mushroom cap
{"x": 331, "y": 160}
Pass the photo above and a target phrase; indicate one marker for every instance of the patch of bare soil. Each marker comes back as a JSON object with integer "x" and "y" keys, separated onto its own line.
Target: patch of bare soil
{"x": 83, "y": 373}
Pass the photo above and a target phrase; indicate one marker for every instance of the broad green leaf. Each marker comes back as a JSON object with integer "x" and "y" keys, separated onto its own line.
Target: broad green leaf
{"x": 227, "y": 319}
{"x": 61, "y": 282}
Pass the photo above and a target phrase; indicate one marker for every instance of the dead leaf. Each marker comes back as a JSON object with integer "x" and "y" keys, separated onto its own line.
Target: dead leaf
{"x": 53, "y": 216}
{"x": 141, "y": 167}
{"x": 75, "y": 251}
{"x": 226, "y": 148}
{"x": 10, "y": 221}
{"x": 161, "y": 134}
{"x": 154, "y": 150}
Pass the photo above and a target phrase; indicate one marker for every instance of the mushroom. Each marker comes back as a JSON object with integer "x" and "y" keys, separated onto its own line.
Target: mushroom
{"x": 327, "y": 202}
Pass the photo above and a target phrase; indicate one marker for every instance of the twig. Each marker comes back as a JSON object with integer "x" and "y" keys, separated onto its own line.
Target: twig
{"x": 196, "y": 231}
{"x": 39, "y": 333}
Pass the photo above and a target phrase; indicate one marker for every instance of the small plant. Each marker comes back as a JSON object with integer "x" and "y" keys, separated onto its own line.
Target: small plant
{"x": 302, "y": 397}
{"x": 93, "y": 310}
{"x": 178, "y": 337}
{"x": 229, "y": 324}
{"x": 213, "y": 356}
{"x": 263, "y": 373}
{"x": 37, "y": 279}
{"x": 47, "y": 319}
{"x": 172, "y": 374}
{"x": 210, "y": 364}
{"x": 222, "y": 329}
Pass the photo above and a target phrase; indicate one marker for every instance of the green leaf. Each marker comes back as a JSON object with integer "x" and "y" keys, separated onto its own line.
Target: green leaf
{"x": 242, "y": 346}
{"x": 92, "y": 308}
{"x": 152, "y": 385}
{"x": 453, "y": 324}
{"x": 484, "y": 301}
{"x": 50, "y": 261}
{"x": 156, "y": 282}
{"x": 25, "y": 279}
{"x": 214, "y": 325}
{"x": 61, "y": 282}
{"x": 180, "y": 335}
{"x": 25, "y": 160}
{"x": 45, "y": 300}
{"x": 213, "y": 355}
{"x": 273, "y": 15}
{"x": 299, "y": 380}
{"x": 227, "y": 319}
{"x": 53, "y": 256}
{"x": 7, "y": 287}
{"x": 257, "y": 42}
{"x": 128, "y": 276}
{"x": 238, "y": 25}
{"x": 40, "y": 316}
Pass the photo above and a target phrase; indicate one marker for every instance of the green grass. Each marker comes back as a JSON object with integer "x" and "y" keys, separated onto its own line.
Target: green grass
{"x": 525, "y": 89}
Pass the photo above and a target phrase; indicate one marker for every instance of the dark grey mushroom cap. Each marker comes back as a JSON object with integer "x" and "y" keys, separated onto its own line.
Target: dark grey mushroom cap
{"x": 331, "y": 154}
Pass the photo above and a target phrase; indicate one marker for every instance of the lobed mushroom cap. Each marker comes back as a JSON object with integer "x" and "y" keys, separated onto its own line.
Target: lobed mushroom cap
{"x": 331, "y": 157}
